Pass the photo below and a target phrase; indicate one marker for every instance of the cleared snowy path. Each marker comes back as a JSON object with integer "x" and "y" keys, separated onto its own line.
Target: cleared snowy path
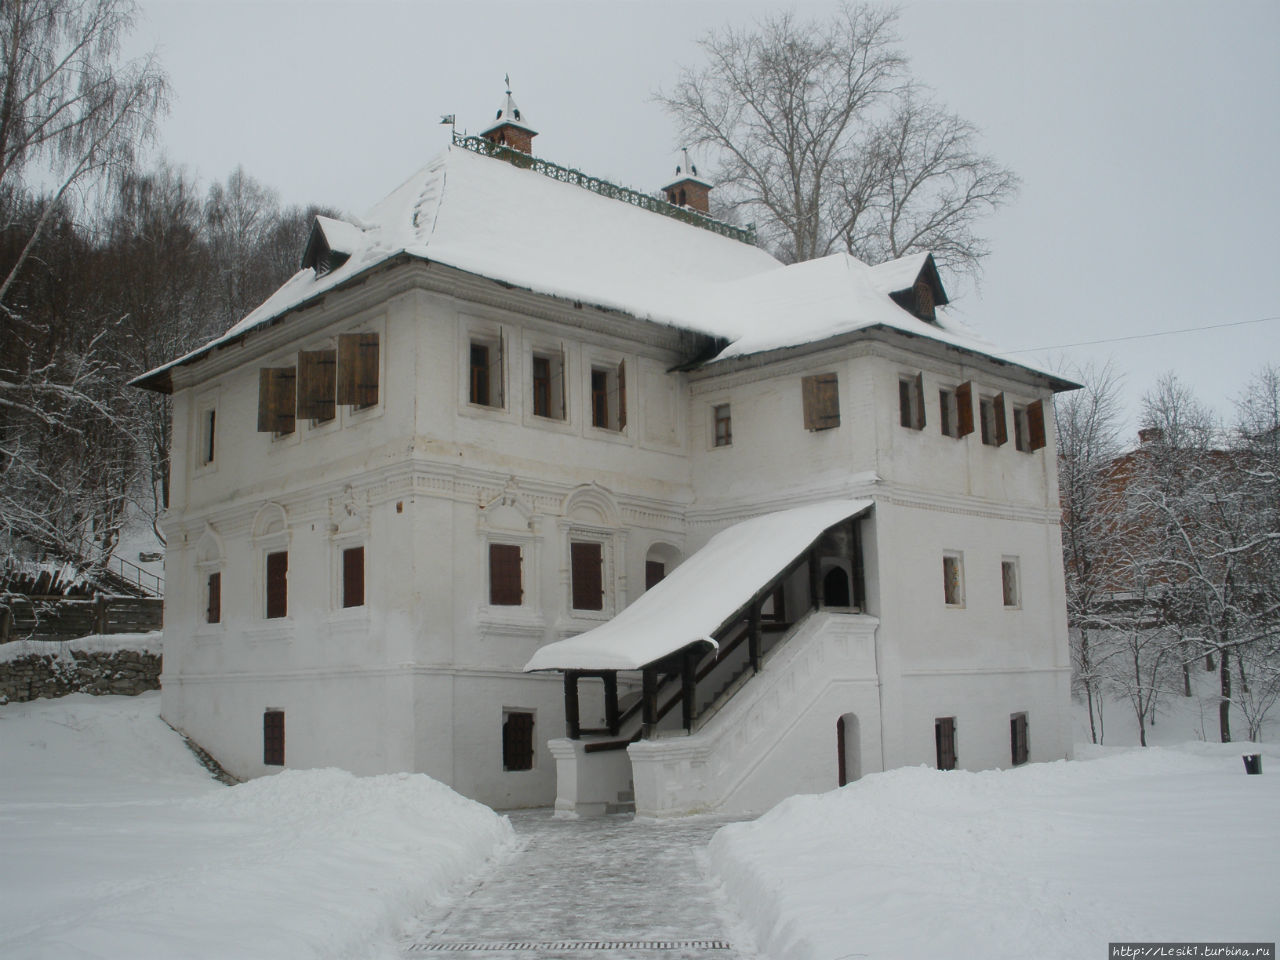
{"x": 589, "y": 889}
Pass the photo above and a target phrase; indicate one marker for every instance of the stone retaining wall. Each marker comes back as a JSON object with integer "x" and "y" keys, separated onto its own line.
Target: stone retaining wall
{"x": 60, "y": 669}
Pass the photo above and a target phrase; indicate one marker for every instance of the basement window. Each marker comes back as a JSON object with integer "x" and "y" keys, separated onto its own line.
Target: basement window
{"x": 911, "y": 401}
{"x": 273, "y": 738}
{"x": 944, "y": 737}
{"x": 517, "y": 740}
{"x": 1019, "y": 747}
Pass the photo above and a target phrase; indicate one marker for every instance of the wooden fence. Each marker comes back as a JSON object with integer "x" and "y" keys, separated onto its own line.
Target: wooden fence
{"x": 62, "y": 618}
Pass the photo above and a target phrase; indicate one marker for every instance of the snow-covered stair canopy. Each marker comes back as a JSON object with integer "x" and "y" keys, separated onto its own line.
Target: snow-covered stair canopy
{"x": 701, "y": 594}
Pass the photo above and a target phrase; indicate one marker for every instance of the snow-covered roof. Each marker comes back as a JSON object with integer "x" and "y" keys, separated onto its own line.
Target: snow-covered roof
{"x": 491, "y": 218}
{"x": 700, "y": 594}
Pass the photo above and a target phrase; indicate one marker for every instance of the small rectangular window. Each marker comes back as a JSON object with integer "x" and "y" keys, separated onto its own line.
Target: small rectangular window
{"x": 723, "y": 425}
{"x": 273, "y": 738}
{"x": 821, "y": 396}
{"x": 944, "y": 735}
{"x": 991, "y": 412}
{"x": 953, "y": 579}
{"x": 277, "y": 592}
{"x": 353, "y": 577}
{"x": 1018, "y": 744}
{"x": 947, "y": 413}
{"x": 208, "y": 429}
{"x": 213, "y": 594}
{"x": 609, "y": 397}
{"x": 548, "y": 386}
{"x": 1028, "y": 427}
{"x": 911, "y": 402}
{"x": 587, "y": 574}
{"x": 517, "y": 740}
{"x": 1009, "y": 582}
{"x": 505, "y": 587}
{"x": 485, "y": 388}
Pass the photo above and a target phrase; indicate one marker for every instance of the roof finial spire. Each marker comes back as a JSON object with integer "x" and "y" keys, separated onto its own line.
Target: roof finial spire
{"x": 506, "y": 78}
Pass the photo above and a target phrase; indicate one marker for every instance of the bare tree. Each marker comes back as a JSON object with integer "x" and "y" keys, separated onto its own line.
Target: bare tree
{"x": 822, "y": 139}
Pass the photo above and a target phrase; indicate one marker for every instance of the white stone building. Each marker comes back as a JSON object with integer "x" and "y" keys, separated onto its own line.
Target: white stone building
{"x": 481, "y": 421}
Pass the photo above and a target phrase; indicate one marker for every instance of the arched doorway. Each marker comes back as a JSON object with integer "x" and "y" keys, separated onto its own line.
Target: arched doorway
{"x": 848, "y": 748}
{"x": 835, "y": 588}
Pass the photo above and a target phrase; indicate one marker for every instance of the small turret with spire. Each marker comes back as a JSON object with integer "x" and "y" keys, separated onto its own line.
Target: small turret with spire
{"x": 688, "y": 189}
{"x": 509, "y": 128}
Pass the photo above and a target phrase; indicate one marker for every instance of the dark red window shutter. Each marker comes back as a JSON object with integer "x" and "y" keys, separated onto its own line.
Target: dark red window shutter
{"x": 277, "y": 585}
{"x": 655, "y": 571}
{"x": 1035, "y": 424}
{"x": 317, "y": 384}
{"x": 353, "y": 577}
{"x": 214, "y": 612}
{"x": 505, "y": 588}
{"x": 821, "y": 395}
{"x": 277, "y": 399}
{"x": 358, "y": 369}
{"x": 964, "y": 407}
{"x": 944, "y": 734}
{"x": 587, "y": 561}
{"x": 273, "y": 738}
{"x": 517, "y": 741}
{"x": 1002, "y": 429}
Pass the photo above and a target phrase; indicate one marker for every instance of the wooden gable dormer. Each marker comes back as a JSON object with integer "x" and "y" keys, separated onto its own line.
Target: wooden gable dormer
{"x": 330, "y": 245}
{"x": 924, "y": 295}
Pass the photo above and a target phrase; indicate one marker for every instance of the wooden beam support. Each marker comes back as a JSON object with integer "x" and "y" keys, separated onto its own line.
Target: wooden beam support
{"x": 572, "y": 720}
{"x": 649, "y": 697}
{"x": 753, "y": 640}
{"x": 611, "y": 718}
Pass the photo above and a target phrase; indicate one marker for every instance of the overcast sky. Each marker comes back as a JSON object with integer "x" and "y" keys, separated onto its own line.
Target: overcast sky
{"x": 1147, "y": 136}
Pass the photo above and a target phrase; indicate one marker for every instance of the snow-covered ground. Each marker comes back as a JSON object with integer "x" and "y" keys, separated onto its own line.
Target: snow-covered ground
{"x": 1048, "y": 860}
{"x": 116, "y": 843}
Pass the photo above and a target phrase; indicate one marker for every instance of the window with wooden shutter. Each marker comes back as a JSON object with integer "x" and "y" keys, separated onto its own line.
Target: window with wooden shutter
{"x": 655, "y": 571}
{"x": 353, "y": 577}
{"x": 273, "y": 738}
{"x": 277, "y": 592}
{"x": 548, "y": 385}
{"x": 991, "y": 411}
{"x": 517, "y": 740}
{"x": 911, "y": 402}
{"x": 317, "y": 384}
{"x": 944, "y": 735}
{"x": 609, "y": 396}
{"x": 1018, "y": 745}
{"x": 587, "y": 573}
{"x": 821, "y": 395}
{"x": 213, "y": 611}
{"x": 622, "y": 395}
{"x": 964, "y": 408}
{"x": 722, "y": 417}
{"x": 1035, "y": 425}
{"x": 357, "y": 375}
{"x": 277, "y": 399}
{"x": 948, "y": 413}
{"x": 1002, "y": 430}
{"x": 505, "y": 587}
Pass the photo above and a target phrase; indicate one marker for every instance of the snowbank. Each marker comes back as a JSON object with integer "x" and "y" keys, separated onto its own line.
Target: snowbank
{"x": 117, "y": 844}
{"x": 150, "y": 642}
{"x": 1048, "y": 860}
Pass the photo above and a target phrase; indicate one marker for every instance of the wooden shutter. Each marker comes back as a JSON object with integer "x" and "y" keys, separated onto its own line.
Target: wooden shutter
{"x": 1035, "y": 424}
{"x": 277, "y": 585}
{"x": 214, "y": 612}
{"x": 655, "y": 571}
{"x": 918, "y": 408}
{"x": 964, "y": 406}
{"x": 904, "y": 404}
{"x": 1002, "y": 430}
{"x": 586, "y": 563}
{"x": 944, "y": 734}
{"x": 277, "y": 399}
{"x": 821, "y": 395}
{"x": 517, "y": 741}
{"x": 1018, "y": 738}
{"x": 357, "y": 369}
{"x": 495, "y": 375}
{"x": 317, "y": 384}
{"x": 479, "y": 364}
{"x": 599, "y": 398}
{"x": 273, "y": 738}
{"x": 622, "y": 395}
{"x": 353, "y": 577}
{"x": 505, "y": 588}
{"x": 541, "y": 387}
{"x": 842, "y": 772}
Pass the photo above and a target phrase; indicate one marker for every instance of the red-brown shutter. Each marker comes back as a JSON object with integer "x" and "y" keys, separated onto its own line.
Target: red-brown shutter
{"x": 505, "y": 588}
{"x": 517, "y": 741}
{"x": 1002, "y": 430}
{"x": 918, "y": 389}
{"x": 587, "y": 562}
{"x": 317, "y": 384}
{"x": 277, "y": 399}
{"x": 273, "y": 738}
{"x": 277, "y": 585}
{"x": 353, "y": 577}
{"x": 214, "y": 612}
{"x": 1035, "y": 424}
{"x": 655, "y": 571}
{"x": 622, "y": 395}
{"x": 358, "y": 369}
{"x": 821, "y": 396}
{"x": 964, "y": 404}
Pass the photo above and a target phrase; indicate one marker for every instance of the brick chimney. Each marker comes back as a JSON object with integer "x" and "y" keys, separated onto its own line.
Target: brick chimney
{"x": 509, "y": 128}
{"x": 688, "y": 189}
{"x": 1150, "y": 435}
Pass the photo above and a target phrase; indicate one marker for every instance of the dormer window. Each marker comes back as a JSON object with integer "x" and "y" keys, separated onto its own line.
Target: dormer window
{"x": 330, "y": 245}
{"x": 924, "y": 301}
